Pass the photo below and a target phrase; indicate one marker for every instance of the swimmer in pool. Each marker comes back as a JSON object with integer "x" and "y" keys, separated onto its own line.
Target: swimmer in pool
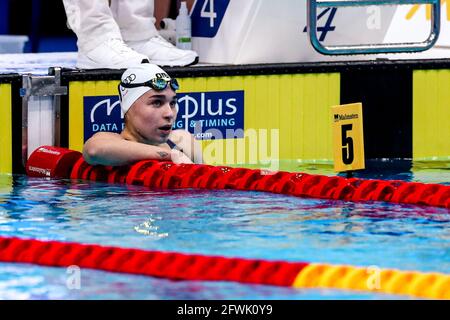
{"x": 149, "y": 104}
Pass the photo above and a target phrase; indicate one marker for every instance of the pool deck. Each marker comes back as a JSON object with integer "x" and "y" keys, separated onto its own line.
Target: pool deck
{"x": 38, "y": 63}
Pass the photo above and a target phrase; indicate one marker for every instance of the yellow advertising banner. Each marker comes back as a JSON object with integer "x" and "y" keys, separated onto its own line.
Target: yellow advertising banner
{"x": 5, "y": 129}
{"x": 348, "y": 137}
{"x": 431, "y": 114}
{"x": 280, "y": 116}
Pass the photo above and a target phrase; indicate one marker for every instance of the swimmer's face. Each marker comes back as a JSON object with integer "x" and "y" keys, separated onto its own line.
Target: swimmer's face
{"x": 152, "y": 116}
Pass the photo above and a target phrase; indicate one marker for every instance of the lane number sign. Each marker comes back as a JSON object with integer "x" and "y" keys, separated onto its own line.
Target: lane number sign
{"x": 348, "y": 137}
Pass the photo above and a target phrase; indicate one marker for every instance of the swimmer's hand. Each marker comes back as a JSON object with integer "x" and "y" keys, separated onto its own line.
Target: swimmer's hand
{"x": 179, "y": 157}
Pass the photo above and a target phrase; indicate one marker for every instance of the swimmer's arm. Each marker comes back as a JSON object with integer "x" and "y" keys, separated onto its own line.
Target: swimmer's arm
{"x": 197, "y": 150}
{"x": 191, "y": 147}
{"x": 110, "y": 149}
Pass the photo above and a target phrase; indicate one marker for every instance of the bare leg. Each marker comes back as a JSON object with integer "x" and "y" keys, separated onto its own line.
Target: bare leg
{"x": 162, "y": 9}
{"x": 189, "y": 3}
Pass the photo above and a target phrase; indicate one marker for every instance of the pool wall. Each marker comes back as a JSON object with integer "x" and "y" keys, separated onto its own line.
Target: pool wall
{"x": 11, "y": 125}
{"x": 405, "y": 108}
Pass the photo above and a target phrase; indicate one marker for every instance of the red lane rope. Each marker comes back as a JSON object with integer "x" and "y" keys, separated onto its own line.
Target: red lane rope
{"x": 178, "y": 266}
{"x": 56, "y": 162}
{"x": 171, "y": 265}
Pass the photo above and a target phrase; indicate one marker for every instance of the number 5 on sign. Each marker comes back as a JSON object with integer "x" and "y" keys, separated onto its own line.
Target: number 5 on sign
{"x": 348, "y": 137}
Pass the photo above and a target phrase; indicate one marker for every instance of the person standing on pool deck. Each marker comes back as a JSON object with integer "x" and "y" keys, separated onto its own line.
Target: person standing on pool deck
{"x": 149, "y": 104}
{"x": 118, "y": 34}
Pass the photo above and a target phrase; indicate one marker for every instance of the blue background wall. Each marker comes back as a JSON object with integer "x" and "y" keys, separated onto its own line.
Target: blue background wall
{"x": 44, "y": 22}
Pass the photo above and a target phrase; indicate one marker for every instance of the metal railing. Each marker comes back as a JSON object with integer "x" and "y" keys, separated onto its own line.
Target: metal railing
{"x": 41, "y": 111}
{"x": 410, "y": 47}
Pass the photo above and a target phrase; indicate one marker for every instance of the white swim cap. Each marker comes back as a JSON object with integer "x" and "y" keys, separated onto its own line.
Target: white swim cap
{"x": 139, "y": 77}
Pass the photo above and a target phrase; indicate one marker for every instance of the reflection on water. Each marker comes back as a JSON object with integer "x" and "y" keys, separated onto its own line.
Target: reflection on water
{"x": 149, "y": 228}
{"x": 221, "y": 222}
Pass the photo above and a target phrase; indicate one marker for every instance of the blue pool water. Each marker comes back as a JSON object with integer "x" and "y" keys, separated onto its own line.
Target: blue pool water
{"x": 229, "y": 223}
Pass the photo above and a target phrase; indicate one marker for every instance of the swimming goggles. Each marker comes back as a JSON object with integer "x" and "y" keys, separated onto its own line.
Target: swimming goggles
{"x": 157, "y": 84}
